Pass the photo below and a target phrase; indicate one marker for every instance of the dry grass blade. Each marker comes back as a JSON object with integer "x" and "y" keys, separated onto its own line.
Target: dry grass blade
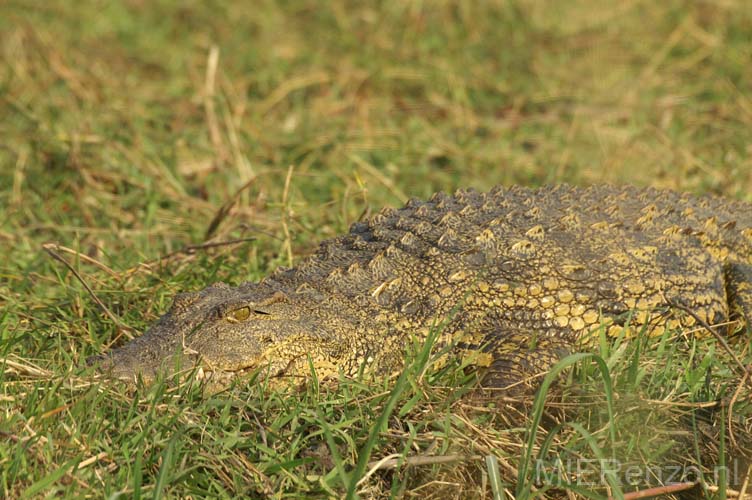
{"x": 82, "y": 256}
{"x": 24, "y": 367}
{"x": 192, "y": 249}
{"x": 397, "y": 460}
{"x": 51, "y": 248}
{"x": 731, "y": 493}
{"x": 286, "y": 215}
{"x": 225, "y": 209}
{"x": 95, "y": 458}
{"x": 745, "y": 485}
{"x": 732, "y": 402}
{"x": 658, "y": 491}
{"x": 212, "y": 62}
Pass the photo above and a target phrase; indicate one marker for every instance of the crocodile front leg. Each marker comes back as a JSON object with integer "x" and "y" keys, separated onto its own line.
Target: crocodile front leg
{"x": 519, "y": 362}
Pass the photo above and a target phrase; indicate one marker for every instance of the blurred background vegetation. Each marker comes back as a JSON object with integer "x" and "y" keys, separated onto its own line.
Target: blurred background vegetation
{"x": 131, "y": 130}
{"x": 141, "y": 118}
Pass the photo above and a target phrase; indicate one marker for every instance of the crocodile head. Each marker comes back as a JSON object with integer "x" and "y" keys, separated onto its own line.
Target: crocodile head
{"x": 221, "y": 332}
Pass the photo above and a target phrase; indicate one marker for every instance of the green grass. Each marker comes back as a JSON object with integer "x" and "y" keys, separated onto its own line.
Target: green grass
{"x": 126, "y": 126}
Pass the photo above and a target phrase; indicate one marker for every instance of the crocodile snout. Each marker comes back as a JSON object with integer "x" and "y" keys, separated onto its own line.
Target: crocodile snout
{"x": 120, "y": 367}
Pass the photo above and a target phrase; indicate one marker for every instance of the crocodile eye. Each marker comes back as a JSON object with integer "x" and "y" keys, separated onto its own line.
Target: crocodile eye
{"x": 241, "y": 314}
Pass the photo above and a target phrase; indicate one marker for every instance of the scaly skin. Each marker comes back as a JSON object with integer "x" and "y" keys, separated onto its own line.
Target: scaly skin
{"x": 513, "y": 279}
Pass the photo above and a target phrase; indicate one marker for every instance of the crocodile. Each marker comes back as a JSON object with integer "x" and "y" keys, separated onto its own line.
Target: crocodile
{"x": 510, "y": 280}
